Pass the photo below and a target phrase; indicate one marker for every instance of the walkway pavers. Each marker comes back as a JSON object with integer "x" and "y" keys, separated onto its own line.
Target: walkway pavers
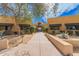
{"x": 39, "y": 45}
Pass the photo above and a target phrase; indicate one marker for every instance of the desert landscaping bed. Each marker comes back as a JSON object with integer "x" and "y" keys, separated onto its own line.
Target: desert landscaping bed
{"x": 13, "y": 41}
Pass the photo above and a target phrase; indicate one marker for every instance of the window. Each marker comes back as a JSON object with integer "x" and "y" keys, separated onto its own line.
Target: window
{"x": 54, "y": 26}
{"x": 73, "y": 26}
{"x": 2, "y": 28}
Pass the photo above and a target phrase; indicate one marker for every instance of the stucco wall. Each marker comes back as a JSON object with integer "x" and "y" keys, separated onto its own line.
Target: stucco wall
{"x": 7, "y": 19}
{"x": 63, "y": 20}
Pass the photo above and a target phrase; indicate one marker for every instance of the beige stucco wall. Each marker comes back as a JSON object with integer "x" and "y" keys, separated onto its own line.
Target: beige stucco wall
{"x": 11, "y": 20}
{"x": 7, "y": 19}
{"x": 64, "y": 19}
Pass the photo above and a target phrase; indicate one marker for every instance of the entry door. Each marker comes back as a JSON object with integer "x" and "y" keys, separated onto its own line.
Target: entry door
{"x": 7, "y": 27}
{"x": 39, "y": 29}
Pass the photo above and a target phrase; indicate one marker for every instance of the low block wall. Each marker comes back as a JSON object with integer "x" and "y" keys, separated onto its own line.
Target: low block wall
{"x": 64, "y": 47}
{"x": 4, "y": 44}
{"x": 74, "y": 42}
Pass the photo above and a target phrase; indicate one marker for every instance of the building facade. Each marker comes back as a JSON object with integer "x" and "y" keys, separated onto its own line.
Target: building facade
{"x": 67, "y": 24}
{"x": 9, "y": 23}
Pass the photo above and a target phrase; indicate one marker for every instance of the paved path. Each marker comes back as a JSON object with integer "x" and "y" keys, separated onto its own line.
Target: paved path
{"x": 39, "y": 45}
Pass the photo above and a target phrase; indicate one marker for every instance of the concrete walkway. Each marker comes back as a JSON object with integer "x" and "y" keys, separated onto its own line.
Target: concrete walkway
{"x": 39, "y": 45}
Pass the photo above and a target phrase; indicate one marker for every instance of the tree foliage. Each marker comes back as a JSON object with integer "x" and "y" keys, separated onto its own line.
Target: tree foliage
{"x": 38, "y": 10}
{"x": 55, "y": 8}
{"x": 19, "y": 10}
